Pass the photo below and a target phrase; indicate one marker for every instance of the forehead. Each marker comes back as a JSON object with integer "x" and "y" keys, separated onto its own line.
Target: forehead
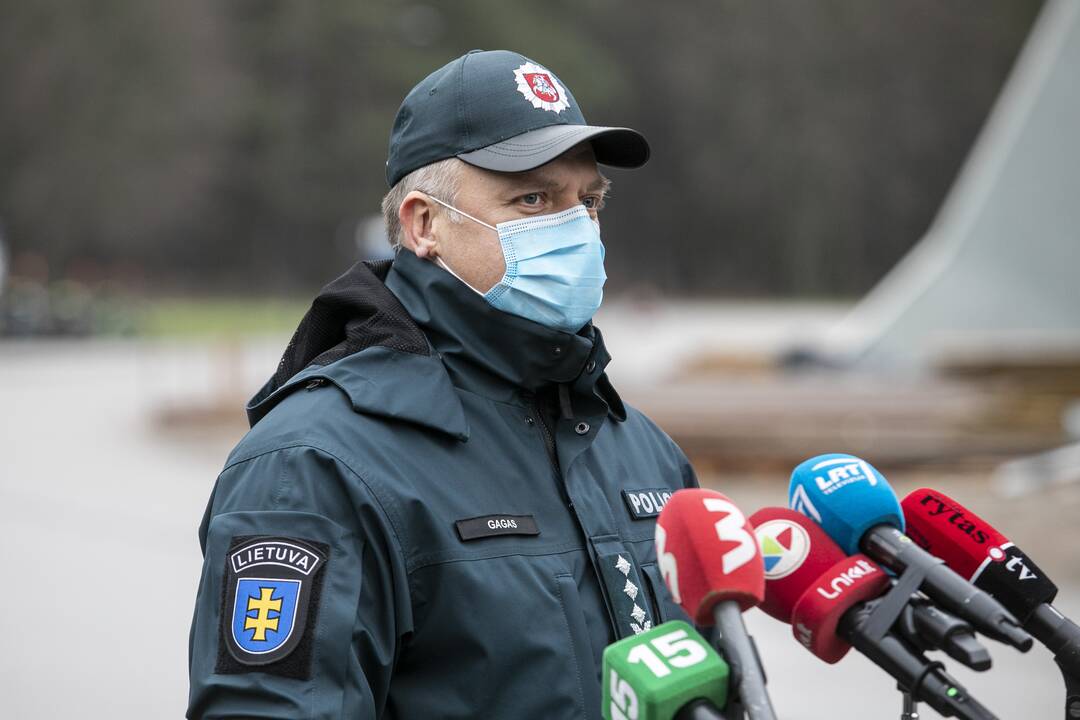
{"x": 574, "y": 168}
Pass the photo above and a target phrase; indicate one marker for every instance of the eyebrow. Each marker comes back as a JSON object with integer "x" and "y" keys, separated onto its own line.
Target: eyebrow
{"x": 543, "y": 181}
{"x": 539, "y": 179}
{"x": 601, "y": 183}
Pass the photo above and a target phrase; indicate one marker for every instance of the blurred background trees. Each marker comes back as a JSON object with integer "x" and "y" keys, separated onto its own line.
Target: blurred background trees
{"x": 238, "y": 147}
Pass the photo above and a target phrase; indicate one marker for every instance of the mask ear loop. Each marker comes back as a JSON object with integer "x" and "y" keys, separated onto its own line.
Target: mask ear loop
{"x": 444, "y": 266}
{"x": 439, "y": 260}
{"x": 448, "y": 206}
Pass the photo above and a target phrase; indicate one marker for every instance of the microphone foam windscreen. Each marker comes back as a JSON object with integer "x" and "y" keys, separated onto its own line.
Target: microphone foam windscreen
{"x": 846, "y": 496}
{"x": 707, "y": 553}
{"x": 947, "y": 530}
{"x": 795, "y": 552}
{"x": 975, "y": 550}
{"x": 817, "y": 613}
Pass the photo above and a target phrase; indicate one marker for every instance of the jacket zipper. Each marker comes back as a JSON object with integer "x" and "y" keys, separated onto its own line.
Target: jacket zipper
{"x": 549, "y": 446}
{"x": 549, "y": 439}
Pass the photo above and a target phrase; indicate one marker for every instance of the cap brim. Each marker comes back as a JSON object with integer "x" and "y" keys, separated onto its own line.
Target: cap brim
{"x": 614, "y": 146}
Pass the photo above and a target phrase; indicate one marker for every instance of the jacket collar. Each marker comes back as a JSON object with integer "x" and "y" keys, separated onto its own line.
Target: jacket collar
{"x": 399, "y": 349}
{"x": 494, "y": 353}
{"x": 357, "y": 336}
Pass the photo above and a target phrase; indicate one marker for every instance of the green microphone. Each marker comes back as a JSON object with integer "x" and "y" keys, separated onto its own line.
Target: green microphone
{"x": 667, "y": 673}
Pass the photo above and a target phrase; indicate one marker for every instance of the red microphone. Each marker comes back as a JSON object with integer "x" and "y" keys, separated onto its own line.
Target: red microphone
{"x": 974, "y": 549}
{"x": 791, "y": 561}
{"x": 709, "y": 557}
{"x": 816, "y": 617}
{"x": 828, "y": 598}
{"x": 810, "y": 582}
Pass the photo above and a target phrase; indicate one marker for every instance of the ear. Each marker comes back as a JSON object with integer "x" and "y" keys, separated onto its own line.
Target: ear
{"x": 416, "y": 216}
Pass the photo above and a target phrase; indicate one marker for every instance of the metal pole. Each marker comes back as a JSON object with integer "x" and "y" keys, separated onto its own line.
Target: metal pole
{"x": 740, "y": 655}
{"x": 911, "y": 708}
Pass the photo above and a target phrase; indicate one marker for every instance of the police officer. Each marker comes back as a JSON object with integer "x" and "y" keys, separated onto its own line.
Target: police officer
{"x": 443, "y": 508}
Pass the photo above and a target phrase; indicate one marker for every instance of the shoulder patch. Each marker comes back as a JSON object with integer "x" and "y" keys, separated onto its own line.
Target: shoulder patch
{"x": 646, "y": 502}
{"x": 270, "y": 600}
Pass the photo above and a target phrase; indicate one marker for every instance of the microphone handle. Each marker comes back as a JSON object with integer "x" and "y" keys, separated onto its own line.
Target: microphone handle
{"x": 896, "y": 551}
{"x": 926, "y": 681}
{"x": 1059, "y": 634}
{"x": 930, "y": 628}
{"x": 741, "y": 655}
{"x": 700, "y": 709}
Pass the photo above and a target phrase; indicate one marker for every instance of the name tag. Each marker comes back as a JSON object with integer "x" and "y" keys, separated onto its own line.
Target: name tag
{"x": 646, "y": 503}
{"x": 492, "y": 525}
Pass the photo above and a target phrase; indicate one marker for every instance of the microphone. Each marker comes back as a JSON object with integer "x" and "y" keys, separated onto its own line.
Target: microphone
{"x": 710, "y": 561}
{"x": 789, "y": 561}
{"x": 929, "y": 628}
{"x": 833, "y": 611}
{"x": 791, "y": 565}
{"x": 976, "y": 550}
{"x": 858, "y": 509}
{"x": 668, "y": 672}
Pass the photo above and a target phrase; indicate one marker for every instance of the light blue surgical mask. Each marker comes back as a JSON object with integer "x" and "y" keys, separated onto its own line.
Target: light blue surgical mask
{"x": 554, "y": 268}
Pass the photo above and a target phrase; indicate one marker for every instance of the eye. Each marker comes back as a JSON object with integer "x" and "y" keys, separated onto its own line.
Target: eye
{"x": 531, "y": 199}
{"x": 593, "y": 202}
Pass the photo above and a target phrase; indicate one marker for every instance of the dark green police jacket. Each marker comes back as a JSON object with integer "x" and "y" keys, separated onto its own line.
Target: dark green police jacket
{"x": 440, "y": 511}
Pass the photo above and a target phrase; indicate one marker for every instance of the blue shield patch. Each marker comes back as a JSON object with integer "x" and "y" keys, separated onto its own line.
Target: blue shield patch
{"x": 264, "y": 613}
{"x": 272, "y": 586}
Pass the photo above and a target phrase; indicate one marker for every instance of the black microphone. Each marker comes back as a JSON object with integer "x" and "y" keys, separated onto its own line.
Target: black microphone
{"x": 929, "y": 628}
{"x": 928, "y": 680}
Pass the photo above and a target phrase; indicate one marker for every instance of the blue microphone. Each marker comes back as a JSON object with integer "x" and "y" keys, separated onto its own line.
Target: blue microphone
{"x": 846, "y": 496}
{"x": 857, "y": 508}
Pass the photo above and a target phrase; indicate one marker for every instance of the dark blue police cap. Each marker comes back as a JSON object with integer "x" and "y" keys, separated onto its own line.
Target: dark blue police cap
{"x": 500, "y": 111}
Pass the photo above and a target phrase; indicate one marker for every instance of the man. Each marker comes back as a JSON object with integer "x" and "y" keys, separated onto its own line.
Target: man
{"x": 443, "y": 509}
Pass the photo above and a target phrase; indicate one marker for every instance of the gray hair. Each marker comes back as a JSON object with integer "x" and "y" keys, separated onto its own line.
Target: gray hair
{"x": 439, "y": 179}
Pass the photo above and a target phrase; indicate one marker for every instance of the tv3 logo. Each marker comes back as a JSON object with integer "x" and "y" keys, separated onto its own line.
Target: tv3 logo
{"x": 730, "y": 528}
{"x": 676, "y": 650}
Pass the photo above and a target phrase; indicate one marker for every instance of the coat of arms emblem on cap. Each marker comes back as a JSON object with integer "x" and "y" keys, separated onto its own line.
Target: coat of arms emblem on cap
{"x": 540, "y": 88}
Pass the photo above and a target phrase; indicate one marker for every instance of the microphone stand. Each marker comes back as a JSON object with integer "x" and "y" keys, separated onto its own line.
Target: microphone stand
{"x": 1072, "y": 695}
{"x": 911, "y": 708}
{"x": 1057, "y": 633}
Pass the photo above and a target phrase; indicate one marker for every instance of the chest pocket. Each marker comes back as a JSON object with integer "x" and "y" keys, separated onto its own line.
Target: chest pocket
{"x": 507, "y": 634}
